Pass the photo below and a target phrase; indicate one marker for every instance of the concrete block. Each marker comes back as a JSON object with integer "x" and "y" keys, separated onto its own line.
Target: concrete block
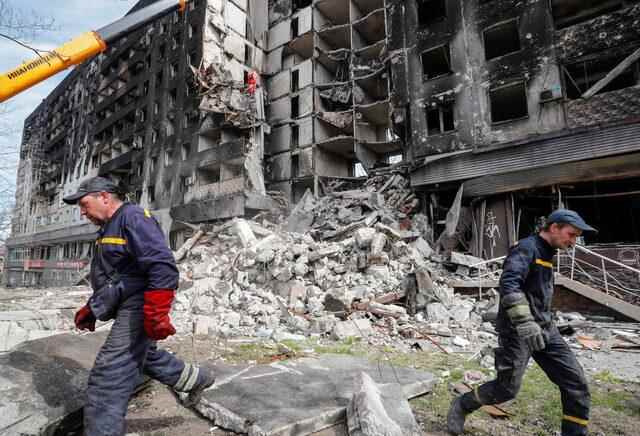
{"x": 356, "y": 328}
{"x": 297, "y": 397}
{"x": 364, "y": 236}
{"x": 375, "y": 410}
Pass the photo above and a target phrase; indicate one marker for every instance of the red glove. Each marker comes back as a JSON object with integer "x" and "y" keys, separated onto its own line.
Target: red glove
{"x": 85, "y": 320}
{"x": 157, "y": 305}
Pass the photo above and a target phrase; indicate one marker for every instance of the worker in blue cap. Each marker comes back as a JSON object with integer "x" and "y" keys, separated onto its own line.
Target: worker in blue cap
{"x": 526, "y": 329}
{"x": 134, "y": 278}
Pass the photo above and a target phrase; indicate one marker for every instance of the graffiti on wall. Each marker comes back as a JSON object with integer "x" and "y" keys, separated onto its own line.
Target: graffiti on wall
{"x": 492, "y": 231}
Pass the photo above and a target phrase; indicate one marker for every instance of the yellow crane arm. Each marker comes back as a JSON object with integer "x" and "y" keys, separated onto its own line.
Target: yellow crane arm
{"x": 34, "y": 71}
{"x": 81, "y": 48}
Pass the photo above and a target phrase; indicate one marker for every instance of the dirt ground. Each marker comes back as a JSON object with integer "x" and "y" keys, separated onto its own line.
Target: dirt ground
{"x": 616, "y": 403}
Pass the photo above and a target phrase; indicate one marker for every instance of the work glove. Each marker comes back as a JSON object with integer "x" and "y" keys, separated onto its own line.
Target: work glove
{"x": 85, "y": 319}
{"x": 156, "y": 308}
{"x": 532, "y": 335}
{"x": 519, "y": 312}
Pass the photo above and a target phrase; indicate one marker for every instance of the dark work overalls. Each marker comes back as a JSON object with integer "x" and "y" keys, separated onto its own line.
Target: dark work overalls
{"x": 131, "y": 257}
{"x": 528, "y": 269}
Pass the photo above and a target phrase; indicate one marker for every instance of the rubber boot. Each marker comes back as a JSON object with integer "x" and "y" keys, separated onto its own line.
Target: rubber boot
{"x": 205, "y": 380}
{"x": 456, "y": 417}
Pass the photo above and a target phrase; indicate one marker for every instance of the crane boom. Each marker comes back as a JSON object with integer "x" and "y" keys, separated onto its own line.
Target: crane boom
{"x": 81, "y": 48}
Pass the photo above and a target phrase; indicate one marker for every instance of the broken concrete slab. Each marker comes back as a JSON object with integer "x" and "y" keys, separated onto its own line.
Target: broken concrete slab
{"x": 374, "y": 411}
{"x": 43, "y": 383}
{"x": 465, "y": 259}
{"x": 353, "y": 328}
{"x": 297, "y": 397}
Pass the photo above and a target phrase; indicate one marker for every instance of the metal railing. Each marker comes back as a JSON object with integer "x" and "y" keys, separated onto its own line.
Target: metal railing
{"x": 600, "y": 272}
{"x": 486, "y": 268}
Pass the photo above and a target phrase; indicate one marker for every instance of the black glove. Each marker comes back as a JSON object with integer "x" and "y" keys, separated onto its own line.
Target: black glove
{"x": 532, "y": 334}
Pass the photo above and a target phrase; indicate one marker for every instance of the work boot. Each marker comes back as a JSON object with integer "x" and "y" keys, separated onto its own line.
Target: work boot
{"x": 456, "y": 417}
{"x": 205, "y": 380}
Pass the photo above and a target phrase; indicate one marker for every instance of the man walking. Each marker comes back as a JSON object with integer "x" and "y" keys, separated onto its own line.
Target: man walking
{"x": 526, "y": 329}
{"x": 134, "y": 277}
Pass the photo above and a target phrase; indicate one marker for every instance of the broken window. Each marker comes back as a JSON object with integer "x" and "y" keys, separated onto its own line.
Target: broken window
{"x": 248, "y": 52}
{"x": 299, "y": 4}
{"x": 151, "y": 193}
{"x": 168, "y": 158}
{"x": 508, "y": 102}
{"x": 295, "y": 80}
{"x": 294, "y": 27}
{"x": 295, "y": 135}
{"x": 431, "y": 10}
{"x": 569, "y": 12}
{"x": 501, "y": 39}
{"x": 173, "y": 70}
{"x": 186, "y": 151}
{"x": 436, "y": 62}
{"x": 581, "y": 76}
{"x": 173, "y": 96}
{"x": 440, "y": 120}
{"x": 295, "y": 107}
{"x": 295, "y": 165}
{"x": 208, "y": 175}
{"x": 184, "y": 186}
{"x": 154, "y": 163}
{"x": 357, "y": 170}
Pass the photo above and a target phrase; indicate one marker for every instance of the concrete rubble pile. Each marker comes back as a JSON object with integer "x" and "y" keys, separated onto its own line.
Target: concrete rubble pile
{"x": 28, "y": 314}
{"x": 351, "y": 264}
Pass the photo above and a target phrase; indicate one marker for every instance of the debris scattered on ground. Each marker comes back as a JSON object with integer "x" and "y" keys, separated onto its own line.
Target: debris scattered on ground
{"x": 354, "y": 263}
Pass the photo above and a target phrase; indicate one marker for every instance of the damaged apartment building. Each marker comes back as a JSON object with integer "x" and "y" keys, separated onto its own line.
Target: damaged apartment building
{"x": 167, "y": 114}
{"x": 515, "y": 108}
{"x": 504, "y": 109}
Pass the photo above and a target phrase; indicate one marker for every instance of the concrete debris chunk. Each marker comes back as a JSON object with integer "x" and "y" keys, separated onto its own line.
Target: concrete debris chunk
{"x": 353, "y": 328}
{"x": 377, "y": 411}
{"x": 465, "y": 259}
{"x": 364, "y": 236}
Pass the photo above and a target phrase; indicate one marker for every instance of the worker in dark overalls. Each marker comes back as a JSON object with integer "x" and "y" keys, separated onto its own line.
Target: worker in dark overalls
{"x": 134, "y": 277}
{"x": 526, "y": 329}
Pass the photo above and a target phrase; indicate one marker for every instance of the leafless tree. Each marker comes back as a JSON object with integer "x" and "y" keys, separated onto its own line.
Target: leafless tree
{"x": 21, "y": 26}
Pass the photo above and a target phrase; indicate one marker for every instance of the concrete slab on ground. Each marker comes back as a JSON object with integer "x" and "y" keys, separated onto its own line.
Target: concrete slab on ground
{"x": 297, "y": 397}
{"x": 42, "y": 382}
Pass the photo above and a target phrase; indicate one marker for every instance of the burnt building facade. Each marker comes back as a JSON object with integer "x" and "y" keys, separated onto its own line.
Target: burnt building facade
{"x": 508, "y": 108}
{"x": 165, "y": 113}
{"x": 522, "y": 107}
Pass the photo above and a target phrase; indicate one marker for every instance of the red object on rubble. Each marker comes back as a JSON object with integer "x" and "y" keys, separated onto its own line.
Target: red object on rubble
{"x": 252, "y": 82}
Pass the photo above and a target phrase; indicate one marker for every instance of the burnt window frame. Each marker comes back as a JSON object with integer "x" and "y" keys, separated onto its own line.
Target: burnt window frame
{"x": 447, "y": 52}
{"x": 495, "y": 26}
{"x": 633, "y": 69}
{"x": 577, "y": 19}
{"x": 448, "y": 106}
{"x": 437, "y": 19}
{"x": 522, "y": 83}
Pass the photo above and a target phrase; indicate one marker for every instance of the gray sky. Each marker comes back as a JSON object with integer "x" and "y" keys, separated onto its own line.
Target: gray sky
{"x": 71, "y": 18}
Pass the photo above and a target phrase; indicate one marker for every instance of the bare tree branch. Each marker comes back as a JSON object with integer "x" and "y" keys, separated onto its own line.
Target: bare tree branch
{"x": 22, "y": 24}
{"x": 27, "y": 46}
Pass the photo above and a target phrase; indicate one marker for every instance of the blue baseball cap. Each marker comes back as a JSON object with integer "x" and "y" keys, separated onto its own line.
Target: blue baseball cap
{"x": 566, "y": 216}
